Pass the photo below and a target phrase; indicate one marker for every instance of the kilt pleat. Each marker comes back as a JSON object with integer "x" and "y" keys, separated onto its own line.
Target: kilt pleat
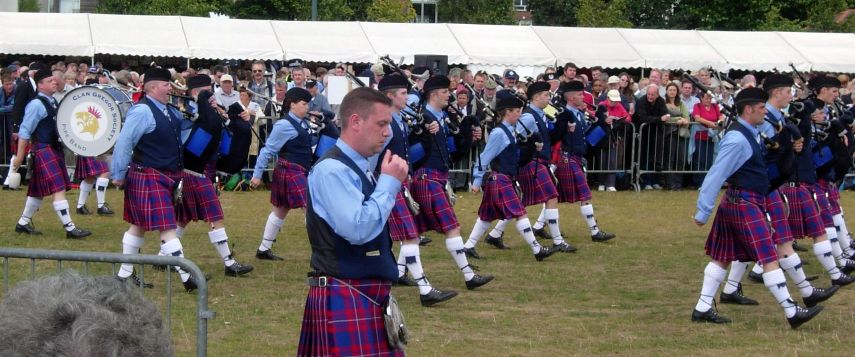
{"x": 740, "y": 230}
{"x": 49, "y": 172}
{"x": 435, "y": 212}
{"x": 199, "y": 201}
{"x": 402, "y": 225}
{"x": 148, "y": 198}
{"x": 833, "y": 196}
{"x": 572, "y": 184}
{"x": 536, "y": 183}
{"x": 500, "y": 200}
{"x": 804, "y": 219}
{"x": 88, "y": 167}
{"x": 777, "y": 209}
{"x": 289, "y": 185}
{"x": 822, "y": 201}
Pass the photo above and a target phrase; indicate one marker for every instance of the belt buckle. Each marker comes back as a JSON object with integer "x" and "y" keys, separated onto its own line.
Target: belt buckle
{"x": 322, "y": 281}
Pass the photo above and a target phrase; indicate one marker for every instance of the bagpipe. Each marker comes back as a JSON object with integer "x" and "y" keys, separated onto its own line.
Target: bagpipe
{"x": 594, "y": 126}
{"x": 526, "y": 141}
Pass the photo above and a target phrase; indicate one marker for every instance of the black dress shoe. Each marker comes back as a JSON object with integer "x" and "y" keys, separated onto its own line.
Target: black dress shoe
{"x": 797, "y": 247}
{"x": 267, "y": 255}
{"x": 83, "y": 211}
{"x": 105, "y": 210}
{"x": 496, "y": 242}
{"x": 471, "y": 253}
{"x": 848, "y": 267}
{"x": 602, "y": 236}
{"x": 819, "y": 295}
{"x": 757, "y": 278}
{"x": 436, "y": 296}
{"x": 541, "y": 233}
{"x": 405, "y": 280}
{"x": 423, "y": 241}
{"x": 564, "y": 247}
{"x": 77, "y": 233}
{"x": 709, "y": 316}
{"x": 843, "y": 280}
{"x": 191, "y": 284}
{"x": 477, "y": 281}
{"x": 544, "y": 253}
{"x": 737, "y": 297}
{"x": 238, "y": 269}
{"x": 135, "y": 280}
{"x": 803, "y": 315}
{"x": 29, "y": 228}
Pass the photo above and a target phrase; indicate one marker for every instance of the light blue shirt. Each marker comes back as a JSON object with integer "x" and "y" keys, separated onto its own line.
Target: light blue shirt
{"x": 527, "y": 121}
{"x": 281, "y": 133}
{"x": 336, "y": 194}
{"x": 734, "y": 150}
{"x": 767, "y": 128}
{"x": 496, "y": 142}
{"x": 139, "y": 121}
{"x": 34, "y": 112}
{"x": 438, "y": 114}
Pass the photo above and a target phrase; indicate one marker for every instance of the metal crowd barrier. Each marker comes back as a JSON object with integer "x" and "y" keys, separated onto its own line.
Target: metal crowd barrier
{"x": 664, "y": 153}
{"x": 203, "y": 314}
{"x": 614, "y": 158}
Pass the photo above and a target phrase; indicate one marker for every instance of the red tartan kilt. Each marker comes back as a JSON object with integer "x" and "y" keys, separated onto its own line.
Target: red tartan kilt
{"x": 402, "y": 225}
{"x": 777, "y": 210}
{"x": 500, "y": 201}
{"x": 86, "y": 167}
{"x": 49, "y": 172}
{"x": 211, "y": 170}
{"x": 833, "y": 196}
{"x": 572, "y": 184}
{"x": 740, "y": 230}
{"x": 199, "y": 201}
{"x": 435, "y": 212}
{"x": 289, "y": 185}
{"x": 824, "y": 205}
{"x": 338, "y": 321}
{"x": 804, "y": 220}
{"x": 148, "y": 198}
{"x": 536, "y": 183}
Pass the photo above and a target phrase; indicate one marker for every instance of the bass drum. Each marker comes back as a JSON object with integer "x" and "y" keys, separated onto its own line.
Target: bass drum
{"x": 89, "y": 118}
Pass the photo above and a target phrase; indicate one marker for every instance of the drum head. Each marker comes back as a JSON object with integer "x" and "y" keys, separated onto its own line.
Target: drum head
{"x": 89, "y": 119}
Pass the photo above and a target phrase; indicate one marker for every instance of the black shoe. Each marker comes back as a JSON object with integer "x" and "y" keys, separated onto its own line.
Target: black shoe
{"x": 755, "y": 277}
{"x": 709, "y": 316}
{"x": 405, "y": 280}
{"x": 564, "y": 247}
{"x": 544, "y": 253}
{"x": 848, "y": 267}
{"x": 105, "y": 210}
{"x": 29, "y": 228}
{"x": 83, "y": 211}
{"x": 819, "y": 295}
{"x": 135, "y": 280}
{"x": 541, "y": 233}
{"x": 471, "y": 253}
{"x": 737, "y": 297}
{"x": 238, "y": 269}
{"x": 797, "y": 247}
{"x": 423, "y": 241}
{"x": 191, "y": 285}
{"x": 843, "y": 280}
{"x": 77, "y": 233}
{"x": 436, "y": 296}
{"x": 496, "y": 242}
{"x": 602, "y": 236}
{"x": 851, "y": 243}
{"x": 267, "y": 255}
{"x": 803, "y": 315}
{"x": 477, "y": 281}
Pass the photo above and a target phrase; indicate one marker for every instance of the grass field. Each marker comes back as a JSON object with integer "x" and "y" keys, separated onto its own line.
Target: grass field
{"x": 631, "y": 296}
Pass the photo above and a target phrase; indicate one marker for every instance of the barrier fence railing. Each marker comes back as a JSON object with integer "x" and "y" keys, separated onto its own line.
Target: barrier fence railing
{"x": 664, "y": 153}
{"x": 614, "y": 157}
{"x": 203, "y": 314}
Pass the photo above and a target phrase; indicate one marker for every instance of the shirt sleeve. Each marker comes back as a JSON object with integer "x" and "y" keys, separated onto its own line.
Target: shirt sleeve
{"x": 281, "y": 133}
{"x": 733, "y": 152}
{"x": 139, "y": 122}
{"x": 527, "y": 122}
{"x": 34, "y": 112}
{"x": 496, "y": 142}
{"x": 337, "y": 198}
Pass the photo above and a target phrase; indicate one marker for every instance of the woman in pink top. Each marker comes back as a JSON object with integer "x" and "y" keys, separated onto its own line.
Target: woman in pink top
{"x": 708, "y": 115}
{"x": 615, "y": 115}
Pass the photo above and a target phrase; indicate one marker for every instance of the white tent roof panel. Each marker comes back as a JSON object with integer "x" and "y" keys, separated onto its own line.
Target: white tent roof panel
{"x": 764, "y": 51}
{"x": 45, "y": 34}
{"x": 502, "y": 45}
{"x": 231, "y": 39}
{"x": 673, "y": 49}
{"x": 121, "y": 35}
{"x": 406, "y": 40}
{"x": 324, "y": 41}
{"x": 831, "y": 52}
{"x": 588, "y": 47}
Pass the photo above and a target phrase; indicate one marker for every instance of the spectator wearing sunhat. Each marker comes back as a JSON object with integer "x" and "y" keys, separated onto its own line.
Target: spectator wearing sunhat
{"x": 226, "y": 95}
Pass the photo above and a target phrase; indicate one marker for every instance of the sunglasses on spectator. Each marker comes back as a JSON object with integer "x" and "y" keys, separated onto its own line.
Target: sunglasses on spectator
{"x": 257, "y": 70}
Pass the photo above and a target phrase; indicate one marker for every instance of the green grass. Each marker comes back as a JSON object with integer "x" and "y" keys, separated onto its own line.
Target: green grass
{"x": 631, "y": 296}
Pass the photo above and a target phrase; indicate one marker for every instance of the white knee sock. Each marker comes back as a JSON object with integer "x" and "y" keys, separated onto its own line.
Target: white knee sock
{"x": 843, "y": 234}
{"x": 179, "y": 231}
{"x": 737, "y": 271}
{"x": 499, "y": 229}
{"x": 541, "y": 219}
{"x": 588, "y": 213}
{"x": 455, "y": 246}
{"x": 524, "y": 227}
{"x": 402, "y": 264}
{"x": 85, "y": 188}
{"x": 551, "y": 216}
{"x": 822, "y": 251}
{"x": 101, "y": 190}
{"x": 61, "y": 208}
{"x": 412, "y": 258}
{"x": 758, "y": 268}
{"x": 30, "y": 207}
{"x": 271, "y": 229}
{"x": 776, "y": 284}
{"x": 221, "y": 241}
{"x": 173, "y": 247}
{"x": 131, "y": 244}
{"x": 713, "y": 276}
{"x": 836, "y": 250}
{"x": 477, "y": 231}
{"x": 792, "y": 265}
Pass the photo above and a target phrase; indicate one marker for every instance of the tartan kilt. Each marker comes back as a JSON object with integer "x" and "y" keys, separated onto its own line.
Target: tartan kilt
{"x": 211, "y": 170}
{"x": 49, "y": 172}
{"x": 338, "y": 321}
{"x": 500, "y": 200}
{"x": 536, "y": 183}
{"x": 402, "y": 225}
{"x": 435, "y": 212}
{"x": 804, "y": 217}
{"x": 740, "y": 230}
{"x": 89, "y": 167}
{"x": 833, "y": 196}
{"x": 777, "y": 210}
{"x": 199, "y": 201}
{"x": 572, "y": 184}
{"x": 824, "y": 205}
{"x": 289, "y": 184}
{"x": 148, "y": 198}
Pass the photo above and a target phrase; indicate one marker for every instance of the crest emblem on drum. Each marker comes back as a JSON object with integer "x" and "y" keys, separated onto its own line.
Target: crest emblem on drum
{"x": 89, "y": 119}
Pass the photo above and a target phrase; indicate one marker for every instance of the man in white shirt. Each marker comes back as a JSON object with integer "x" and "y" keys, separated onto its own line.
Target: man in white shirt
{"x": 226, "y": 95}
